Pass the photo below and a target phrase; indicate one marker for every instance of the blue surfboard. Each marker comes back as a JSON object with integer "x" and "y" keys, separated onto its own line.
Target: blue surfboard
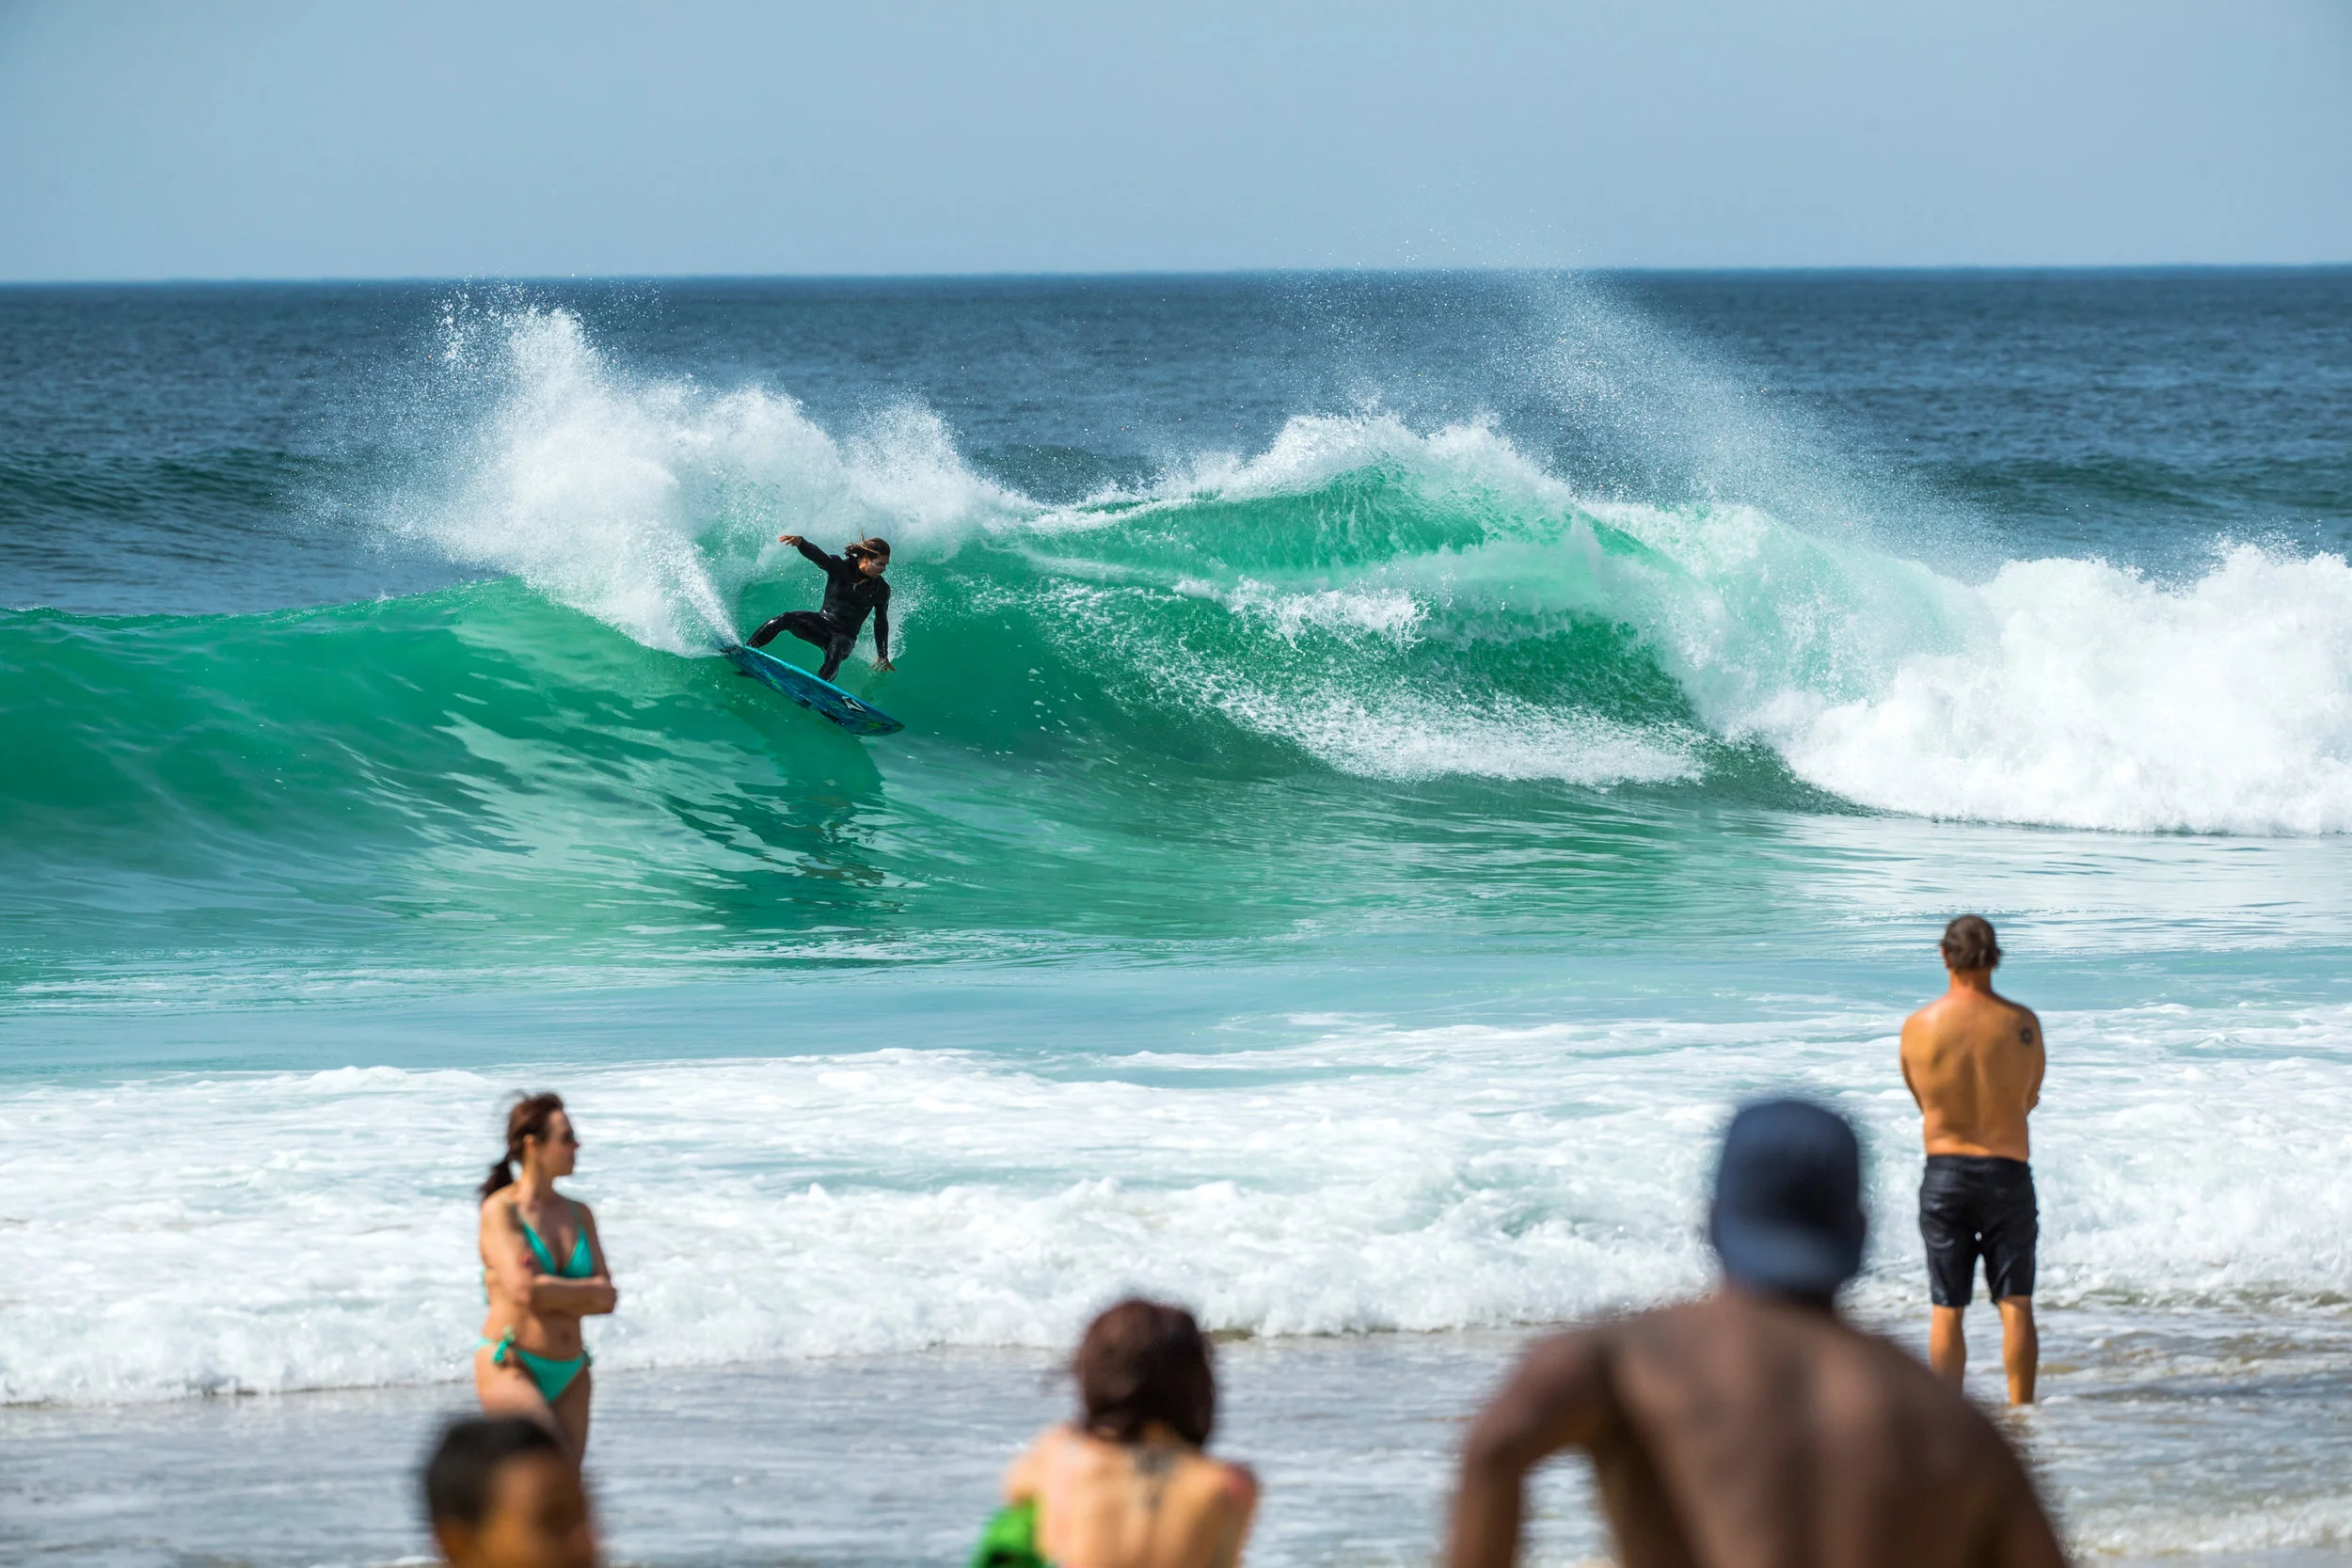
{"x": 820, "y": 696}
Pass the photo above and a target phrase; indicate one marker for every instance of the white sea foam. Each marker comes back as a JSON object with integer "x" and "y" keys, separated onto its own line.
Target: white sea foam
{"x": 1399, "y": 733}
{"x": 1310, "y": 450}
{"x": 1331, "y": 707}
{"x": 1403, "y": 735}
{"x": 2069, "y": 692}
{"x": 649, "y": 503}
{"x": 1387, "y": 613}
{"x": 283, "y": 1231}
{"x": 2192, "y": 1527}
{"x": 2093, "y": 697}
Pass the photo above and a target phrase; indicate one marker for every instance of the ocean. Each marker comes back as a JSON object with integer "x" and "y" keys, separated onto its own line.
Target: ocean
{"x": 1392, "y": 760}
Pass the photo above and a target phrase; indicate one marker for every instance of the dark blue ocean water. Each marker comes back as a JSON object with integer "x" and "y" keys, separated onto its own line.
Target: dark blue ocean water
{"x": 210, "y": 448}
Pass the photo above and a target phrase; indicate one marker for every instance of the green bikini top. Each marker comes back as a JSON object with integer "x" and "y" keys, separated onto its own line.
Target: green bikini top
{"x": 579, "y": 1265}
{"x": 1010, "y": 1539}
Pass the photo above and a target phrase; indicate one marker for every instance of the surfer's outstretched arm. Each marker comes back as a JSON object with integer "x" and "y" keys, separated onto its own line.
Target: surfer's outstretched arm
{"x": 816, "y": 557}
{"x": 881, "y": 635}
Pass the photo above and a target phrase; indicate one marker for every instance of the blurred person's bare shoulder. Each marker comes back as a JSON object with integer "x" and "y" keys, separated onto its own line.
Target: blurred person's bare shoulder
{"x": 1801, "y": 1371}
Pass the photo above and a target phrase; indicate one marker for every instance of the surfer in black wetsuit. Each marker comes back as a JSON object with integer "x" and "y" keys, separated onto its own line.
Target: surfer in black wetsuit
{"x": 853, "y": 585}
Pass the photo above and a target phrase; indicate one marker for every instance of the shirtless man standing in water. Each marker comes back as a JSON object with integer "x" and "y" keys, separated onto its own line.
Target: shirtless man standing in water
{"x": 1974, "y": 1060}
{"x": 1754, "y": 1428}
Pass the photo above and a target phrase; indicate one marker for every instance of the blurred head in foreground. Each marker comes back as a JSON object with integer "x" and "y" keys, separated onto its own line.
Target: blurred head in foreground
{"x": 1787, "y": 1218}
{"x": 502, "y": 1494}
{"x": 1145, "y": 1364}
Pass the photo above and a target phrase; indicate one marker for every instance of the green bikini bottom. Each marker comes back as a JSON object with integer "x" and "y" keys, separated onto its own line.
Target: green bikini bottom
{"x": 552, "y": 1376}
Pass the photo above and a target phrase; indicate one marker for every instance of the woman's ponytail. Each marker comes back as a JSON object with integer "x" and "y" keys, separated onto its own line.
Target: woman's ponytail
{"x": 525, "y": 1119}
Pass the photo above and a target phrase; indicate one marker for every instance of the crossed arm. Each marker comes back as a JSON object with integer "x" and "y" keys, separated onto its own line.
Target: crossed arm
{"x": 524, "y": 1282}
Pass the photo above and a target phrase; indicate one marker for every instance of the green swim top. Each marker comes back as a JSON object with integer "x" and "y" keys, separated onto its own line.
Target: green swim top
{"x": 1010, "y": 1539}
{"x": 579, "y": 1265}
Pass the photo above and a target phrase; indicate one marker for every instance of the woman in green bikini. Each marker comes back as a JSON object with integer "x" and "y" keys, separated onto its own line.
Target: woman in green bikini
{"x": 1129, "y": 1483}
{"x": 543, "y": 1270}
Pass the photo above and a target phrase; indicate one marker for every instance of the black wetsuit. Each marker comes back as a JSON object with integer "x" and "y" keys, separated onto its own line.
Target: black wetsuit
{"x": 848, "y": 595}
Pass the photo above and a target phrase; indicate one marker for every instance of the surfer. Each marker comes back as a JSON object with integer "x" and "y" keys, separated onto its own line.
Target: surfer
{"x": 853, "y": 586}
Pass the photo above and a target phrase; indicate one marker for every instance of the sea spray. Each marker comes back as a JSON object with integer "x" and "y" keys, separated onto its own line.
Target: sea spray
{"x": 650, "y": 503}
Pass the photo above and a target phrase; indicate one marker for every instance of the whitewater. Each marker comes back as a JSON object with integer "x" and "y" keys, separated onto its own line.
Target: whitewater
{"x": 1355, "y": 554}
{"x": 1390, "y": 765}
{"x": 1366, "y": 1179}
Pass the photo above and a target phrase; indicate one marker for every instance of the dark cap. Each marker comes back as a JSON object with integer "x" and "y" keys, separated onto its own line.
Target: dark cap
{"x": 1788, "y": 1212}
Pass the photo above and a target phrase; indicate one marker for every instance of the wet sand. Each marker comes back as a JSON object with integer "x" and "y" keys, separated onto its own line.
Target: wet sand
{"x": 2163, "y": 1436}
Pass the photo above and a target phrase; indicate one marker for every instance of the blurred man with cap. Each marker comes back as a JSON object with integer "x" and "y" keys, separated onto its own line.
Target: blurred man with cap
{"x": 1754, "y": 1428}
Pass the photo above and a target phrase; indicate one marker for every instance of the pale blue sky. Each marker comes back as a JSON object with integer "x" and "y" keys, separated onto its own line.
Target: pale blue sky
{"x": 429, "y": 140}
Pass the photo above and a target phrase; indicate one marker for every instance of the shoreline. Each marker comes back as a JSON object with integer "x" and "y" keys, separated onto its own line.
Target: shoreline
{"x": 892, "y": 1459}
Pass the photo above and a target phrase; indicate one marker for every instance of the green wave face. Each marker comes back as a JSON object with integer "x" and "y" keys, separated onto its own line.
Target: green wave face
{"x": 1217, "y": 712}
{"x": 1372, "y": 677}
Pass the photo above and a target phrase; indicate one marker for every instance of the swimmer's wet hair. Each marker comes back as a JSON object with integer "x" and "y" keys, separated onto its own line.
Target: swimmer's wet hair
{"x": 875, "y": 547}
{"x": 1969, "y": 943}
{"x": 457, "y": 1476}
{"x": 1145, "y": 1361}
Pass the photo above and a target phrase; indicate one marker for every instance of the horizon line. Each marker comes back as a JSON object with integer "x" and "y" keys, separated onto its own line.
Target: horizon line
{"x": 1173, "y": 273}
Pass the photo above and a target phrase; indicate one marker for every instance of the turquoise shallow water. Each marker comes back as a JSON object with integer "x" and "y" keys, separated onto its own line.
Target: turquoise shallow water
{"x": 1389, "y": 763}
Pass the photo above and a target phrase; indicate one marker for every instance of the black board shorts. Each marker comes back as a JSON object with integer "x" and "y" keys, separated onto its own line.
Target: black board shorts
{"x": 1973, "y": 1206}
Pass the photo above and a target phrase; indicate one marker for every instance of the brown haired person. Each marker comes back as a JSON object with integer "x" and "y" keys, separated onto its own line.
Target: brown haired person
{"x": 1127, "y": 1485}
{"x": 1973, "y": 1061}
{"x": 543, "y": 1269}
{"x": 504, "y": 1494}
{"x": 853, "y": 586}
{"x": 1754, "y": 1428}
